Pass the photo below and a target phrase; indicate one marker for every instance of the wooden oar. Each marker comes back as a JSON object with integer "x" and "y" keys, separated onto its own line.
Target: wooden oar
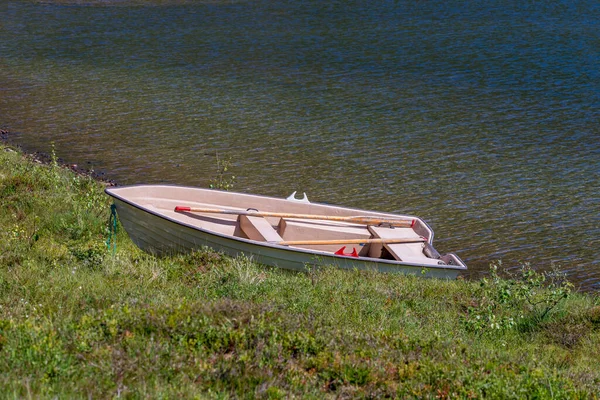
{"x": 348, "y": 241}
{"x": 406, "y": 223}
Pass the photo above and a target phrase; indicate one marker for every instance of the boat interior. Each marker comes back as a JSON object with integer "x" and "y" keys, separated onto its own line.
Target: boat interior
{"x": 343, "y": 238}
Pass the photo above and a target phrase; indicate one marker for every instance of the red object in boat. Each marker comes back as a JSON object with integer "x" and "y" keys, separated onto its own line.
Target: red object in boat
{"x": 340, "y": 252}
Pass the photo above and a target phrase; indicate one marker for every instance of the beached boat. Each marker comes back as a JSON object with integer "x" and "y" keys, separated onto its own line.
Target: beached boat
{"x": 286, "y": 233}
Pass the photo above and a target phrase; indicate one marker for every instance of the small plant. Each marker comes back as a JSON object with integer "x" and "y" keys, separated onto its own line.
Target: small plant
{"x": 19, "y": 233}
{"x": 90, "y": 256}
{"x": 54, "y": 167}
{"x": 53, "y": 157}
{"x": 526, "y": 295}
{"x": 223, "y": 180}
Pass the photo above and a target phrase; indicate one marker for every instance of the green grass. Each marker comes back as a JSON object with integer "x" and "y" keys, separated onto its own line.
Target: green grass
{"x": 77, "y": 320}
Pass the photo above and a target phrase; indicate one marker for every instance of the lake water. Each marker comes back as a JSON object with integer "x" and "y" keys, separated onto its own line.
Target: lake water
{"x": 482, "y": 117}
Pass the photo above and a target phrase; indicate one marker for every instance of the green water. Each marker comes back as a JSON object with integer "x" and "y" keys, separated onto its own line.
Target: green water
{"x": 482, "y": 118}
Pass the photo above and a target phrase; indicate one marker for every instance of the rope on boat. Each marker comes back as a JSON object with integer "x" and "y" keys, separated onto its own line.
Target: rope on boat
{"x": 112, "y": 226}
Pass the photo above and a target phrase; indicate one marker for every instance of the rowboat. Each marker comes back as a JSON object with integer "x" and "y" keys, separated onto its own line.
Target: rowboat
{"x": 286, "y": 233}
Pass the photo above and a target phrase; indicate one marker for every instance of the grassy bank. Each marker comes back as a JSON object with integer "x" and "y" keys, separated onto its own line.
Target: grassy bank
{"x": 77, "y": 319}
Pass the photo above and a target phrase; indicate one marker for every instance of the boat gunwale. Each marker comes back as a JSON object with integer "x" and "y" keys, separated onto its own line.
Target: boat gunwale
{"x": 110, "y": 192}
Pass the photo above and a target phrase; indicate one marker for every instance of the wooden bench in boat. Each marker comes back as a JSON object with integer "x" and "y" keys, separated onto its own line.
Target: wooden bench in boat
{"x": 293, "y": 229}
{"x": 409, "y": 252}
{"x": 321, "y": 230}
{"x": 258, "y": 228}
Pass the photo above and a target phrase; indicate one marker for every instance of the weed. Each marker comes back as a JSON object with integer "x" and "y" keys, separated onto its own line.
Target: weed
{"x": 524, "y": 299}
{"x": 223, "y": 179}
{"x": 90, "y": 256}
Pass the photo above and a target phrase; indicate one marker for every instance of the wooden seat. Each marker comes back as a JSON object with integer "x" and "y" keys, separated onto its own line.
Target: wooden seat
{"x": 258, "y": 228}
{"x": 409, "y": 252}
{"x": 293, "y": 229}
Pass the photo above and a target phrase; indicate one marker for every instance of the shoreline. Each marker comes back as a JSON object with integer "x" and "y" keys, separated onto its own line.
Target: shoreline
{"x": 42, "y": 157}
